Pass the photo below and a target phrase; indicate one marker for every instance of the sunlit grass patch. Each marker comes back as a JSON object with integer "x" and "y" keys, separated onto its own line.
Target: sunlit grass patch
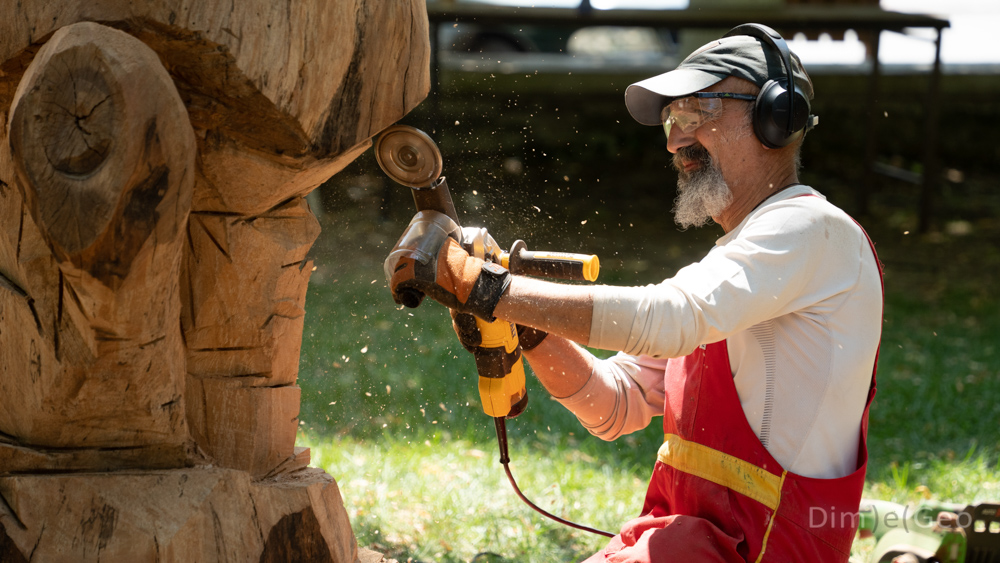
{"x": 971, "y": 478}
{"x": 450, "y": 500}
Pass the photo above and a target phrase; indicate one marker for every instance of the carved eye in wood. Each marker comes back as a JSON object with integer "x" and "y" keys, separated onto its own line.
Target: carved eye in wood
{"x": 101, "y": 142}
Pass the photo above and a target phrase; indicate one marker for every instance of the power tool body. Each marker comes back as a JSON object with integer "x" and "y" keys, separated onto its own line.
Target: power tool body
{"x": 411, "y": 158}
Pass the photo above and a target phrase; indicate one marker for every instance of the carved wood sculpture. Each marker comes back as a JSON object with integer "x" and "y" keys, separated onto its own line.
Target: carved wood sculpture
{"x": 153, "y": 240}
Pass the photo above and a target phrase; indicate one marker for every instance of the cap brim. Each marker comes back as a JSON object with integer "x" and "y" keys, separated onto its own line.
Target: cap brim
{"x": 646, "y": 98}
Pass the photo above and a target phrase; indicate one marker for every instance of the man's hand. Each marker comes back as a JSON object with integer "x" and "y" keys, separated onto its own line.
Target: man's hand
{"x": 447, "y": 273}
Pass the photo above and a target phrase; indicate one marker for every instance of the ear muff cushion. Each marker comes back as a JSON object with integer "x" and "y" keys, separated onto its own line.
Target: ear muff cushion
{"x": 770, "y": 121}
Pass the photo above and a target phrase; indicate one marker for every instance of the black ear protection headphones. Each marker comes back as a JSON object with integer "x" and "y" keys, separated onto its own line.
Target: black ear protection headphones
{"x": 780, "y": 115}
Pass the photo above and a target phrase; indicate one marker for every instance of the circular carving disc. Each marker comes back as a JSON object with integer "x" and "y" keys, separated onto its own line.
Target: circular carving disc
{"x": 408, "y": 156}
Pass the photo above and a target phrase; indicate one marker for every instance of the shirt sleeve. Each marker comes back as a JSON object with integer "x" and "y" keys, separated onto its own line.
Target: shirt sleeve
{"x": 775, "y": 264}
{"x": 622, "y": 395}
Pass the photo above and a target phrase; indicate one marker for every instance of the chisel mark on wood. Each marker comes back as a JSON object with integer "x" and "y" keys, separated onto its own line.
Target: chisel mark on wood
{"x": 212, "y": 238}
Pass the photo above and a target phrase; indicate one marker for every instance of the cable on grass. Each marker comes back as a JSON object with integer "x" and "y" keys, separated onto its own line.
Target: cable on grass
{"x": 501, "y": 426}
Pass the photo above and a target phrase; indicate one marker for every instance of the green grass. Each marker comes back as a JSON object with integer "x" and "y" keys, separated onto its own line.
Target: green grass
{"x": 390, "y": 406}
{"x": 934, "y": 424}
{"x": 449, "y": 500}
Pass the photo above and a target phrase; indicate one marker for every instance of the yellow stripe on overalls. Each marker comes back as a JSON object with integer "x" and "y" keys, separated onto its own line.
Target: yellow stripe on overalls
{"x": 722, "y": 469}
{"x": 726, "y": 470}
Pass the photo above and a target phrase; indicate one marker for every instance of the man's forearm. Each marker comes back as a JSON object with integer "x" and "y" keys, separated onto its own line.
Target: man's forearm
{"x": 601, "y": 393}
{"x": 560, "y": 309}
{"x": 610, "y": 397}
{"x": 561, "y": 366}
{"x": 564, "y": 311}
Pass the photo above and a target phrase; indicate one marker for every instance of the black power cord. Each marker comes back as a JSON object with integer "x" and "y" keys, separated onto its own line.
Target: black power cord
{"x": 501, "y": 425}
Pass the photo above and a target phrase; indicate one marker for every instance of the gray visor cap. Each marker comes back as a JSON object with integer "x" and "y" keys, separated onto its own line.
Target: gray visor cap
{"x": 741, "y": 56}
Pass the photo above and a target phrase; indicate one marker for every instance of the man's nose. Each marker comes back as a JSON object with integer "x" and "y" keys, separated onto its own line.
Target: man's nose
{"x": 678, "y": 139}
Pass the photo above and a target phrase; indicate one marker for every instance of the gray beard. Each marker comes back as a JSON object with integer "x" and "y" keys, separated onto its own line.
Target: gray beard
{"x": 703, "y": 194}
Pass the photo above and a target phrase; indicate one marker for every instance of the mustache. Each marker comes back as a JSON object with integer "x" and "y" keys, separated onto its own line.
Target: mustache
{"x": 697, "y": 153}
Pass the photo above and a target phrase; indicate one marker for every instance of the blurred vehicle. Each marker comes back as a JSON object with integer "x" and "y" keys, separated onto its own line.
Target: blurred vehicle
{"x": 557, "y": 44}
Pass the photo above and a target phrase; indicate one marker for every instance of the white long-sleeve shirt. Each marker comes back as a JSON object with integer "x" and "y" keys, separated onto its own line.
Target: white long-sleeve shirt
{"x": 796, "y": 291}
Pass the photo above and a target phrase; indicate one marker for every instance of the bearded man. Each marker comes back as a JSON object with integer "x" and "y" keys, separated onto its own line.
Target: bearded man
{"x": 760, "y": 357}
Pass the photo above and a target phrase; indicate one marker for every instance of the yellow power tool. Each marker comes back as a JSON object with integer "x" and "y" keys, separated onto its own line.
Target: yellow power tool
{"x": 411, "y": 158}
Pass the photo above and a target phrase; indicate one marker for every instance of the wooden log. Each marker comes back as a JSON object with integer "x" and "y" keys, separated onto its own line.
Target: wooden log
{"x": 104, "y": 162}
{"x": 281, "y": 93}
{"x": 277, "y": 107}
{"x": 244, "y": 286}
{"x": 246, "y": 427}
{"x": 279, "y": 96}
{"x": 174, "y": 516}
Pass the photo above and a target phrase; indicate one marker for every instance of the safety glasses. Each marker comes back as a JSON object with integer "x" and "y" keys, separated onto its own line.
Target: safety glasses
{"x": 695, "y": 110}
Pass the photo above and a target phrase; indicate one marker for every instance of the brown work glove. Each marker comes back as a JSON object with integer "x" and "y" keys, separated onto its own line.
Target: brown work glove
{"x": 449, "y": 276}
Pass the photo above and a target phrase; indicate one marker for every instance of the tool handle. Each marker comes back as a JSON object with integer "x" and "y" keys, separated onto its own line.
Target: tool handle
{"x": 434, "y": 197}
{"x": 501, "y": 369}
{"x": 561, "y": 265}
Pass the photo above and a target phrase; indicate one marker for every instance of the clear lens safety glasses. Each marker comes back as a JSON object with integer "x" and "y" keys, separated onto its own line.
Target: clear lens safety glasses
{"x": 691, "y": 112}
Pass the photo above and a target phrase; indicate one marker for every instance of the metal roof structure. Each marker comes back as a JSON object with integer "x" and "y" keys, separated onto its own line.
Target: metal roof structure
{"x": 789, "y": 18}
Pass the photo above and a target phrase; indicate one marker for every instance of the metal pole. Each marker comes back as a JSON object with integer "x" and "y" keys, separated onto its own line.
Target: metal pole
{"x": 867, "y": 187}
{"x": 931, "y": 132}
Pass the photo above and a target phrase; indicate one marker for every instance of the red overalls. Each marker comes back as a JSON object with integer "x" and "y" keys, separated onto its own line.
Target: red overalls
{"x": 716, "y": 494}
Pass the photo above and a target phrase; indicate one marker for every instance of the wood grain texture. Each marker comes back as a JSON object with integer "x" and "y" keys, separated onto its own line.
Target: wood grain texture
{"x": 296, "y": 53}
{"x": 245, "y": 427}
{"x": 280, "y": 95}
{"x": 92, "y": 269}
{"x": 244, "y": 286}
{"x": 177, "y": 516}
{"x": 97, "y": 125}
{"x": 17, "y": 458}
{"x": 291, "y": 85}
{"x": 153, "y": 272}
